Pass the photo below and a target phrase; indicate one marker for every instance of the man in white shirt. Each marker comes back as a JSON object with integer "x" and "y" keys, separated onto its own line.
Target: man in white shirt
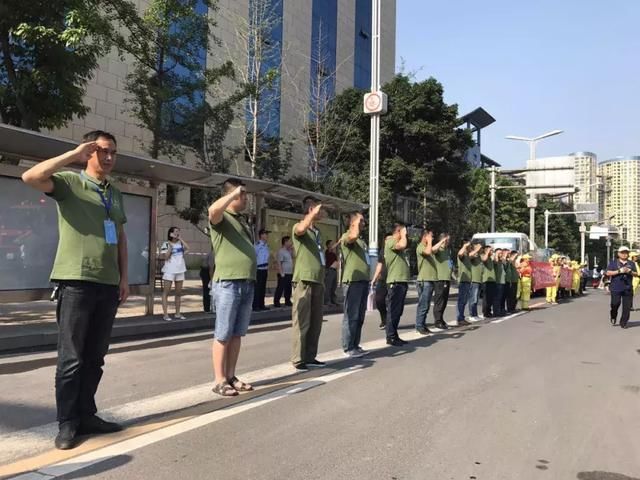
{"x": 284, "y": 267}
{"x": 262, "y": 254}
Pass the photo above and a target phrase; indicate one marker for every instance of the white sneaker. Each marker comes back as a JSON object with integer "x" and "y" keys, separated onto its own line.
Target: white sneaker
{"x": 179, "y": 316}
{"x": 474, "y": 319}
{"x": 353, "y": 354}
{"x": 167, "y": 318}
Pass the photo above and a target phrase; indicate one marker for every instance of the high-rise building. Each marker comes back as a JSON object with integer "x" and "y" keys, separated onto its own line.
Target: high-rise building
{"x": 621, "y": 176}
{"x": 585, "y": 169}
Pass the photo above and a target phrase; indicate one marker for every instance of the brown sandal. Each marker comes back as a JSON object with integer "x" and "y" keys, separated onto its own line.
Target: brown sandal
{"x": 224, "y": 389}
{"x": 239, "y": 385}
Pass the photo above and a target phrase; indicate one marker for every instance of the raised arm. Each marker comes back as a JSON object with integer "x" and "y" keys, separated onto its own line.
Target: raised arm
{"x": 476, "y": 250}
{"x": 39, "y": 176}
{"x": 463, "y": 250}
{"x": 354, "y": 229}
{"x": 217, "y": 208}
{"x": 307, "y": 221}
{"x": 402, "y": 243}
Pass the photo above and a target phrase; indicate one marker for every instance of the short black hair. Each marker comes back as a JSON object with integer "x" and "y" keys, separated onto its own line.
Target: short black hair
{"x": 231, "y": 184}
{"x": 94, "y": 135}
{"x": 328, "y": 243}
{"x": 171, "y": 230}
{"x": 308, "y": 202}
{"x": 442, "y": 235}
{"x": 398, "y": 224}
{"x": 285, "y": 239}
{"x": 425, "y": 231}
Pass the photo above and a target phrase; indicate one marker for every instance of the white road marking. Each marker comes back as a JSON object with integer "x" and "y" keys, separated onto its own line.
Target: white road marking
{"x": 83, "y": 461}
{"x": 508, "y": 317}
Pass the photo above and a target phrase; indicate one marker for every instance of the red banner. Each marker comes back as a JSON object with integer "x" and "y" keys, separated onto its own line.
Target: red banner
{"x": 542, "y": 275}
{"x": 566, "y": 278}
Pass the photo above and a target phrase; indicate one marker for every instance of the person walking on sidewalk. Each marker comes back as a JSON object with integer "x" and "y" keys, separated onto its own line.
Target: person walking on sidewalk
{"x": 331, "y": 273}
{"x": 173, "y": 270}
{"x": 488, "y": 282}
{"x": 398, "y": 275}
{"x": 476, "y": 281}
{"x": 90, "y": 269}
{"x": 284, "y": 267}
{"x": 355, "y": 277}
{"x": 466, "y": 255}
{"x": 233, "y": 284}
{"x": 308, "y": 291}
{"x": 441, "y": 287}
{"x": 427, "y": 276}
{"x": 379, "y": 284}
{"x": 262, "y": 257}
{"x": 621, "y": 271}
{"x": 206, "y": 273}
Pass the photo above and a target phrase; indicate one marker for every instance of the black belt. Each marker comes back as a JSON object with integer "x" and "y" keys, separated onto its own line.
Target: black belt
{"x": 262, "y": 265}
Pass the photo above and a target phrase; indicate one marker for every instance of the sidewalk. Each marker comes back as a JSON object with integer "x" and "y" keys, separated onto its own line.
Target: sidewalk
{"x": 32, "y": 325}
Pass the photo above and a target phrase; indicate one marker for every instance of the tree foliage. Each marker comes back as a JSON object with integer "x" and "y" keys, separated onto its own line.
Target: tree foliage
{"x": 49, "y": 51}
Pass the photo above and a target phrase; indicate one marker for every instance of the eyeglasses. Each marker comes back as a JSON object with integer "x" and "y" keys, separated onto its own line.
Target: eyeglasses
{"x": 106, "y": 151}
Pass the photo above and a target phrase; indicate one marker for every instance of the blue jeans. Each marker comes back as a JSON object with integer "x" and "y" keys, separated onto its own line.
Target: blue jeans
{"x": 474, "y": 298}
{"x": 425, "y": 292}
{"x": 463, "y": 296}
{"x": 233, "y": 301}
{"x": 355, "y": 307}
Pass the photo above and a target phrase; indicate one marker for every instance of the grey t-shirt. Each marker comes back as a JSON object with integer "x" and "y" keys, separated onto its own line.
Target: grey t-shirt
{"x": 286, "y": 261}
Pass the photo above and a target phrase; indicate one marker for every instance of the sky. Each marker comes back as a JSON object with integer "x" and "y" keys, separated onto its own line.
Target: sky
{"x": 535, "y": 66}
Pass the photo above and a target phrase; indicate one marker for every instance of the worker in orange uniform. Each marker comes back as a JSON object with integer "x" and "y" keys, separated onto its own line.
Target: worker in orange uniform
{"x": 524, "y": 271}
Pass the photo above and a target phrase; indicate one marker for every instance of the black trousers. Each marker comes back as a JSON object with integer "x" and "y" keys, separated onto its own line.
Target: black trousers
{"x": 381, "y": 301}
{"x": 511, "y": 290}
{"x": 396, "y": 295}
{"x": 488, "y": 296}
{"x": 283, "y": 288}
{"x": 85, "y": 315}
{"x": 261, "y": 288}
{"x": 626, "y": 298}
{"x": 206, "y": 292}
{"x": 440, "y": 299}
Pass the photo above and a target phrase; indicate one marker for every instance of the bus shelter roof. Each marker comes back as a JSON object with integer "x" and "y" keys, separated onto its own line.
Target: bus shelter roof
{"x": 36, "y": 146}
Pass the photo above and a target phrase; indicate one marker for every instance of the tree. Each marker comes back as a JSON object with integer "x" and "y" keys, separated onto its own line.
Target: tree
{"x": 564, "y": 234}
{"x": 49, "y": 51}
{"x": 170, "y": 81}
{"x": 421, "y": 150}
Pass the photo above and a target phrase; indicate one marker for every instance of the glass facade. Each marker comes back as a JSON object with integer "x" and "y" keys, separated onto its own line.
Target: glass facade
{"x": 324, "y": 35}
{"x": 362, "y": 51}
{"x": 266, "y": 23}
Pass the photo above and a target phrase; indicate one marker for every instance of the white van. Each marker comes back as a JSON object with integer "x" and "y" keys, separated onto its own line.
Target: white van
{"x": 512, "y": 241}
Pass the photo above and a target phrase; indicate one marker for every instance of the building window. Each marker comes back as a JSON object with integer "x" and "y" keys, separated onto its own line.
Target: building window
{"x": 362, "y": 51}
{"x": 171, "y": 195}
{"x": 324, "y": 34}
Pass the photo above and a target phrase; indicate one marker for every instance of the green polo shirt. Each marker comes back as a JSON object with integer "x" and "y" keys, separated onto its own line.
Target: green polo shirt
{"x": 356, "y": 260}
{"x": 427, "y": 271}
{"x": 476, "y": 269}
{"x": 308, "y": 247}
{"x": 464, "y": 269}
{"x": 83, "y": 253}
{"x": 397, "y": 263}
{"x": 489, "y": 272}
{"x": 512, "y": 273}
{"x": 443, "y": 266}
{"x": 500, "y": 273}
{"x": 233, "y": 249}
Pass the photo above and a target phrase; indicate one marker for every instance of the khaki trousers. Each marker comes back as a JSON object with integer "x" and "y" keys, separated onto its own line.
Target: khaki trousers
{"x": 307, "y": 321}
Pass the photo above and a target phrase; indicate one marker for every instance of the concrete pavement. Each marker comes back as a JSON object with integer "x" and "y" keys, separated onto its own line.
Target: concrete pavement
{"x": 548, "y": 394}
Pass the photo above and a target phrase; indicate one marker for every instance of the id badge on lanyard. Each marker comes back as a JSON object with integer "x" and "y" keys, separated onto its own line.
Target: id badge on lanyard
{"x": 323, "y": 261}
{"x": 110, "y": 233}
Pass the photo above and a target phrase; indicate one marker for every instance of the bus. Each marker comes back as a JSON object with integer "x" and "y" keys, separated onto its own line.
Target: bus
{"x": 513, "y": 241}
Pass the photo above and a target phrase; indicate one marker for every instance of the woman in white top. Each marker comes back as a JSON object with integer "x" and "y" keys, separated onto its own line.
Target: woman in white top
{"x": 172, "y": 251}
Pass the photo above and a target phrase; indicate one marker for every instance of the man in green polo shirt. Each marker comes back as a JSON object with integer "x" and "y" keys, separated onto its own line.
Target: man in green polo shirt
{"x": 488, "y": 281}
{"x": 512, "y": 279}
{"x": 90, "y": 269}
{"x": 466, "y": 255}
{"x": 427, "y": 276}
{"x": 355, "y": 277}
{"x": 398, "y": 276}
{"x": 233, "y": 284}
{"x": 499, "y": 299}
{"x": 477, "y": 268}
{"x": 443, "y": 284}
{"x": 308, "y": 293}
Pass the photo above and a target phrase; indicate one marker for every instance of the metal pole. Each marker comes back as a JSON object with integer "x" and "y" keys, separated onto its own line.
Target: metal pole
{"x": 374, "y": 147}
{"x": 546, "y": 229}
{"x": 583, "y": 231}
{"x": 608, "y": 250}
{"x": 493, "y": 198}
{"x": 532, "y": 198}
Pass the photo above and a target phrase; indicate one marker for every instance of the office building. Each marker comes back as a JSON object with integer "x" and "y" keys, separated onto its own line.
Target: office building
{"x": 621, "y": 199}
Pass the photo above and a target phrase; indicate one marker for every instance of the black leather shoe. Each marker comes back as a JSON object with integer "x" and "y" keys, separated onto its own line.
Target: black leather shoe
{"x": 66, "y": 438}
{"x": 95, "y": 424}
{"x": 442, "y": 325}
{"x": 623, "y": 326}
{"x": 382, "y": 326}
{"x": 463, "y": 323}
{"x": 613, "y": 321}
{"x": 423, "y": 330}
{"x": 395, "y": 342}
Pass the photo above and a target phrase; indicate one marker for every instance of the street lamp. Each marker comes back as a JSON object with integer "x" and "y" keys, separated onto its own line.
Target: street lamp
{"x": 532, "y": 202}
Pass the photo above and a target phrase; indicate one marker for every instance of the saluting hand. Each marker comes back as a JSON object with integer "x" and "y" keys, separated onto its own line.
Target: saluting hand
{"x": 85, "y": 151}
{"x": 239, "y": 190}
